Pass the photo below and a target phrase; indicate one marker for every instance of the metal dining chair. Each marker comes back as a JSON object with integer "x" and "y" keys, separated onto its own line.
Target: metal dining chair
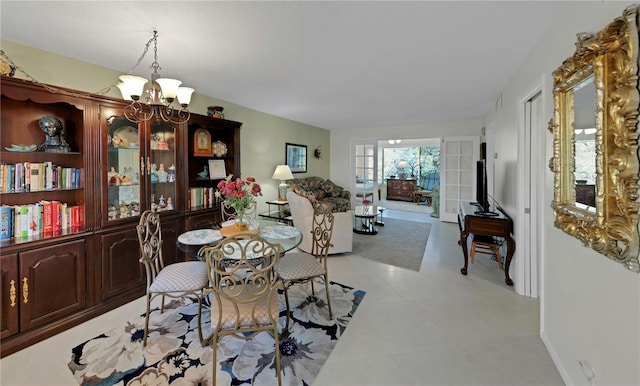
{"x": 243, "y": 272}
{"x": 174, "y": 280}
{"x": 298, "y": 267}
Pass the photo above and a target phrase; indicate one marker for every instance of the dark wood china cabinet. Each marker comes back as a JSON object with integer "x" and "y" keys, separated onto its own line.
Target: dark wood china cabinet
{"x": 77, "y": 255}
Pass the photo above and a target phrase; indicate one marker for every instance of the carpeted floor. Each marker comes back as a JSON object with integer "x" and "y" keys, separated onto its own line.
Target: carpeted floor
{"x": 174, "y": 356}
{"x": 398, "y": 242}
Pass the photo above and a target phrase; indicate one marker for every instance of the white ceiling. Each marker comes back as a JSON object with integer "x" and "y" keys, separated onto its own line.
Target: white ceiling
{"x": 335, "y": 65}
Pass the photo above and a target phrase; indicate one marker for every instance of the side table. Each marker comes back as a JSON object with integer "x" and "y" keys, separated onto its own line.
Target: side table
{"x": 365, "y": 219}
{"x": 281, "y": 212}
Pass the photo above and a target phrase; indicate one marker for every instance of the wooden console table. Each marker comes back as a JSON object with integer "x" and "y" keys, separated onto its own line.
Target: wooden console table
{"x": 400, "y": 189}
{"x": 499, "y": 226}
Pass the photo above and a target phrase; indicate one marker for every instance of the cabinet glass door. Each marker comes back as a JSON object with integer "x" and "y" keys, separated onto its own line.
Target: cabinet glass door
{"x": 123, "y": 175}
{"x": 162, "y": 164}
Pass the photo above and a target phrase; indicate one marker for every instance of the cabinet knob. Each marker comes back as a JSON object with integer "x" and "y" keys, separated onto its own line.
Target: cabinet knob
{"x": 141, "y": 166}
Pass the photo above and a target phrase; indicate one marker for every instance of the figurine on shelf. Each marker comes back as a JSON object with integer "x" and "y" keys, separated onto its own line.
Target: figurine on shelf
{"x": 112, "y": 214}
{"x": 169, "y": 204}
{"x": 161, "y": 203}
{"x": 129, "y": 176}
{"x": 204, "y": 174}
{"x": 124, "y": 211}
{"x": 154, "y": 173}
{"x": 135, "y": 208}
{"x": 171, "y": 177}
{"x": 113, "y": 177}
{"x": 54, "y": 141}
{"x": 161, "y": 173}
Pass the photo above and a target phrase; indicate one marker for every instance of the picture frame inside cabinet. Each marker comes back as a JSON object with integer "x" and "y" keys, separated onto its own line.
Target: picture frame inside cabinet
{"x": 217, "y": 169}
{"x": 202, "y": 143}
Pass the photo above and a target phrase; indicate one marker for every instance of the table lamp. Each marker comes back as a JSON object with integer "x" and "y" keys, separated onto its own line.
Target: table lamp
{"x": 401, "y": 166}
{"x": 282, "y": 173}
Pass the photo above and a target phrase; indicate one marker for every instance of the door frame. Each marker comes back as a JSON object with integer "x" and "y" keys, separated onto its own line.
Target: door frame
{"x": 529, "y": 268}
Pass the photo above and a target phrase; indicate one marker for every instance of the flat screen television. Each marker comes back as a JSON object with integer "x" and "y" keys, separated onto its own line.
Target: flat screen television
{"x": 482, "y": 194}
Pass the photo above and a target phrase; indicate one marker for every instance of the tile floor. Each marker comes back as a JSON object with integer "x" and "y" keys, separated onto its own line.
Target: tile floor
{"x": 433, "y": 327}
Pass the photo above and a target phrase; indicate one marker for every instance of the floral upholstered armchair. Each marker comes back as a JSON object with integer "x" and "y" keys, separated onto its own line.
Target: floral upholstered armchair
{"x": 318, "y": 190}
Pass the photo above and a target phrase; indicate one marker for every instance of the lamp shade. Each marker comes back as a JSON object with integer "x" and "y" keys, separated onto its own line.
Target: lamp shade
{"x": 403, "y": 164}
{"x": 282, "y": 173}
{"x": 131, "y": 86}
{"x": 169, "y": 87}
{"x": 184, "y": 95}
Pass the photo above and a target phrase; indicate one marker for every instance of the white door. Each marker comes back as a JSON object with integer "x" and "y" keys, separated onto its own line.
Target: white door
{"x": 365, "y": 177}
{"x": 458, "y": 156}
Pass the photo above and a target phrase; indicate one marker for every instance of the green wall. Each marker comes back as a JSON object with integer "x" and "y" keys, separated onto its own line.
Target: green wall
{"x": 263, "y": 136}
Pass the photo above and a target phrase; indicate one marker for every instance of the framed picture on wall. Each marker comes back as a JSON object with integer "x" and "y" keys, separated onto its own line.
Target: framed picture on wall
{"x": 296, "y": 157}
{"x": 217, "y": 169}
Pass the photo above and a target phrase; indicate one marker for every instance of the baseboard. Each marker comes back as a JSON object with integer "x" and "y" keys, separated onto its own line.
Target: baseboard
{"x": 556, "y": 360}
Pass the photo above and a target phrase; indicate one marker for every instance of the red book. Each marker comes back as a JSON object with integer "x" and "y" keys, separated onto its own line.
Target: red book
{"x": 47, "y": 218}
{"x": 76, "y": 217}
{"x": 55, "y": 216}
{"x": 81, "y": 216}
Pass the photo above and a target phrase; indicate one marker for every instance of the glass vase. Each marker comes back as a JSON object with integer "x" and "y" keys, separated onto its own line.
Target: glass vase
{"x": 241, "y": 224}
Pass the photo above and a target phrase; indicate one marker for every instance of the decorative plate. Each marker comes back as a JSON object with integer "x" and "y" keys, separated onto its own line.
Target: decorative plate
{"x": 22, "y": 148}
{"x": 200, "y": 236}
{"x": 219, "y": 149}
{"x": 125, "y": 136}
{"x": 279, "y": 232}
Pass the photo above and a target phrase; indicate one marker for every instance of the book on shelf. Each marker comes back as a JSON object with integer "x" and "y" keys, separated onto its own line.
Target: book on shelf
{"x": 202, "y": 197}
{"x": 38, "y": 176}
{"x": 46, "y": 218}
{"x": 6, "y": 222}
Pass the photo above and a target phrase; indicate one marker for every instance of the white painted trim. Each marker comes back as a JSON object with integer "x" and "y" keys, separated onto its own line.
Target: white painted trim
{"x": 526, "y": 266}
{"x": 556, "y": 360}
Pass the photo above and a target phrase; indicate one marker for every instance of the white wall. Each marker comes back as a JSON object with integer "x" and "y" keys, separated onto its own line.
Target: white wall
{"x": 590, "y": 305}
{"x": 262, "y": 136}
{"x": 341, "y": 141}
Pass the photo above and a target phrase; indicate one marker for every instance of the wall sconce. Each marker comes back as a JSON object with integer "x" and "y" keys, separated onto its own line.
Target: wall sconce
{"x": 394, "y": 141}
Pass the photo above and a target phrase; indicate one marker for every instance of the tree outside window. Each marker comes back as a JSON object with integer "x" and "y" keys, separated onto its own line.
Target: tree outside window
{"x": 421, "y": 160}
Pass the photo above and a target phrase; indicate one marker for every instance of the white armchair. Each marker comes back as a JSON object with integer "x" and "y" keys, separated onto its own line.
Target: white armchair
{"x": 302, "y": 214}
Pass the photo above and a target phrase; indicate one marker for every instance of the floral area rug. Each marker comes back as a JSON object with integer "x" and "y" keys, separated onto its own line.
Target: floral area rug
{"x": 174, "y": 355}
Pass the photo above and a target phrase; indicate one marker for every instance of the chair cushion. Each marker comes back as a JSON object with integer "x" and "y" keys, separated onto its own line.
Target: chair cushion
{"x": 299, "y": 265}
{"x": 181, "y": 277}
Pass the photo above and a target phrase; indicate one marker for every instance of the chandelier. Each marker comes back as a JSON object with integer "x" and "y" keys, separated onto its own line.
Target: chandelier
{"x": 158, "y": 99}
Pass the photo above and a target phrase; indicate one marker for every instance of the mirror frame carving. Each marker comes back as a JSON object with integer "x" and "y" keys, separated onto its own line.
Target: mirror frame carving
{"x": 612, "y": 56}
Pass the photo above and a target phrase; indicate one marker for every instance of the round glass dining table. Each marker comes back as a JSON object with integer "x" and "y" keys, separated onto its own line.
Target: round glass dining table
{"x": 274, "y": 232}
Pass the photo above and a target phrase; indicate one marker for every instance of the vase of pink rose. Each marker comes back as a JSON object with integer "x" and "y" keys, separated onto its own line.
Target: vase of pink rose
{"x": 240, "y": 195}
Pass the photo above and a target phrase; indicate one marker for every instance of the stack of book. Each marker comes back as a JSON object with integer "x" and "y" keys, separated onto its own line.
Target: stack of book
{"x": 42, "y": 219}
{"x": 202, "y": 198}
{"x": 36, "y": 176}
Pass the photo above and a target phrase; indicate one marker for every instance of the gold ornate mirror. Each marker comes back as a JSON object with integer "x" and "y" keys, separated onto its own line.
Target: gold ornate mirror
{"x": 595, "y": 132}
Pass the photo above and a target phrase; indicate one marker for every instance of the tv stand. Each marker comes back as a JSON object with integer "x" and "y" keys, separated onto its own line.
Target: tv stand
{"x": 498, "y": 225}
{"x": 488, "y": 214}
